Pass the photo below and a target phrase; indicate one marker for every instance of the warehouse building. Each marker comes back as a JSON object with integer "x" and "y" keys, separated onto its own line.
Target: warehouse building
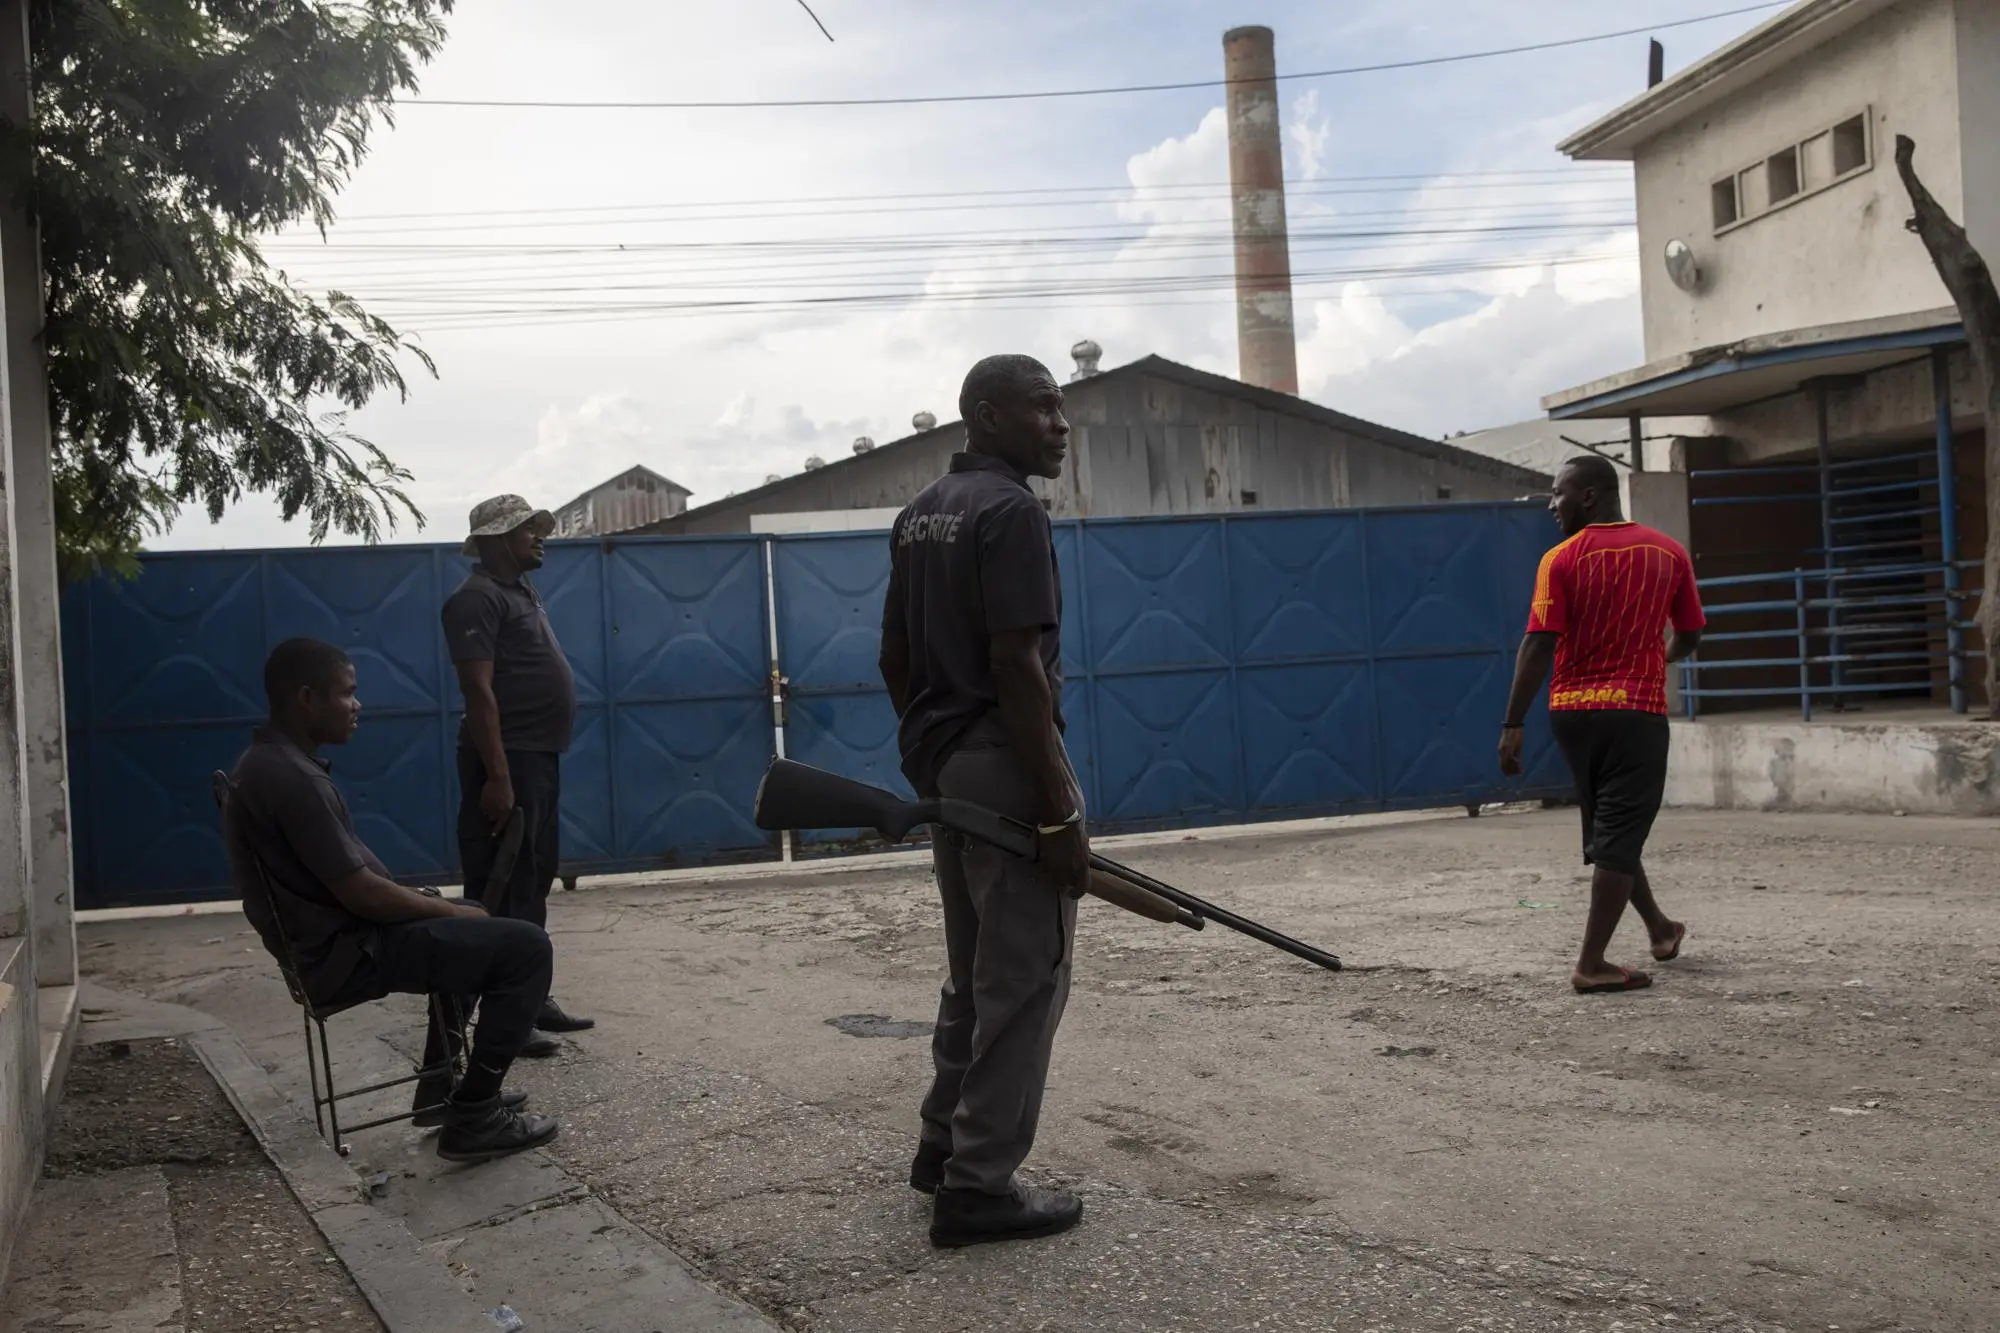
{"x": 1151, "y": 437}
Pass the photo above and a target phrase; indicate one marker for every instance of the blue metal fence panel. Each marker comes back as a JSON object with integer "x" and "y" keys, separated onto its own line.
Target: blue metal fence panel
{"x": 687, "y": 730}
{"x": 163, "y": 680}
{"x": 837, "y": 714}
{"x": 1215, "y": 669}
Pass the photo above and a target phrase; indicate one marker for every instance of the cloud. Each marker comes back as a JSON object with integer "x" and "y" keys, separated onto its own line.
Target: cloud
{"x": 1486, "y": 368}
{"x": 440, "y": 230}
{"x": 1308, "y": 132}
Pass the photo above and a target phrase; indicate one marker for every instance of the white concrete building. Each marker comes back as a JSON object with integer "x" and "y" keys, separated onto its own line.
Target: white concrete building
{"x": 1784, "y": 301}
{"x": 1771, "y": 161}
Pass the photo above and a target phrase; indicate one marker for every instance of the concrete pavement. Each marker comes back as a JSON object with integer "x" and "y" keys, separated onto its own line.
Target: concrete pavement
{"x": 1788, "y": 1132}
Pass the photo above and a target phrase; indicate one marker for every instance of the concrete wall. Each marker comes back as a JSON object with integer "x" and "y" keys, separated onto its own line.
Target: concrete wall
{"x": 1978, "y": 49}
{"x": 1936, "y": 769}
{"x": 37, "y": 938}
{"x": 21, "y": 1124}
{"x": 1841, "y": 254}
{"x": 1890, "y": 406}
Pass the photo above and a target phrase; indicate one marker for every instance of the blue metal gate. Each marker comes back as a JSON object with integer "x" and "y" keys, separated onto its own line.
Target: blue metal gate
{"x": 1217, "y": 669}
{"x": 1227, "y": 669}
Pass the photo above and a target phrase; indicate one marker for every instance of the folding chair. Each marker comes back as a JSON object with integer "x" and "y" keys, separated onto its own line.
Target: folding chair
{"x": 445, "y": 1012}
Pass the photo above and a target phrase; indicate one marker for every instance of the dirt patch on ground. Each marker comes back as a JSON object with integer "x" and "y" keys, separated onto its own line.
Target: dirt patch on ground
{"x": 250, "y": 1259}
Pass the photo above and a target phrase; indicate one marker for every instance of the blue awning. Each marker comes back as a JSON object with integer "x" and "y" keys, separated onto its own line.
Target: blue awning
{"x": 1717, "y": 379}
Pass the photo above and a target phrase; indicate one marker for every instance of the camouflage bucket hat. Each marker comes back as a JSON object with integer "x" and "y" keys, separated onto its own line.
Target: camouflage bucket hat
{"x": 501, "y": 515}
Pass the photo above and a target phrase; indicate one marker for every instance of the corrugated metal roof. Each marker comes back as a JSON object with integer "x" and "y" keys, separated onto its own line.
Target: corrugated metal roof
{"x": 1200, "y": 379}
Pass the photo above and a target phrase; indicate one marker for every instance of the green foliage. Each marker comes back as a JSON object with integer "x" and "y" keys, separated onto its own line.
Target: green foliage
{"x": 183, "y": 369}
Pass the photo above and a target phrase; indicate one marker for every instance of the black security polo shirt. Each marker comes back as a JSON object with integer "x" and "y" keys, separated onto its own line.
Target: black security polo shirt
{"x": 502, "y": 621}
{"x": 969, "y": 558}
{"x": 289, "y": 817}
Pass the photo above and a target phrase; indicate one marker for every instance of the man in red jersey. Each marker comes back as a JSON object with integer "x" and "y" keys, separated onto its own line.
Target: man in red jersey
{"x": 1604, "y": 600}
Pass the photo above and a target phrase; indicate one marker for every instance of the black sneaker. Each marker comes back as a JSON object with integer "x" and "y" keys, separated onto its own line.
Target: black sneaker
{"x": 927, "y": 1171}
{"x": 968, "y": 1217}
{"x": 431, "y": 1099}
{"x": 482, "y": 1131}
{"x": 541, "y": 1048}
{"x": 553, "y": 1019}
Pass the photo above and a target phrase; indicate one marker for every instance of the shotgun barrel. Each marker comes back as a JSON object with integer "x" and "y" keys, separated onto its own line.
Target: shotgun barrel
{"x": 798, "y": 796}
{"x": 1209, "y": 911}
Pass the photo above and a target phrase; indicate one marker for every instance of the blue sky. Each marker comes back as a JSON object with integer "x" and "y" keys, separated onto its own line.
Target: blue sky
{"x": 536, "y": 397}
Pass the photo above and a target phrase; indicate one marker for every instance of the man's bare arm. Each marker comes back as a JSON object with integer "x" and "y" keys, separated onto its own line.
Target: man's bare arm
{"x": 482, "y": 723}
{"x": 1682, "y": 645}
{"x": 482, "y": 715}
{"x": 386, "y": 903}
{"x": 1027, "y": 709}
{"x": 1531, "y": 669}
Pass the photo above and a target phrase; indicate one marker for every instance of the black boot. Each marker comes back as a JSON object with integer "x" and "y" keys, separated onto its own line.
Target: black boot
{"x": 969, "y": 1217}
{"x": 482, "y": 1131}
{"x": 553, "y": 1019}
{"x": 433, "y": 1094}
{"x": 927, "y": 1171}
{"x": 541, "y": 1048}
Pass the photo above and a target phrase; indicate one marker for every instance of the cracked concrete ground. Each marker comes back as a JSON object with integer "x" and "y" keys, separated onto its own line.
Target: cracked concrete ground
{"x": 1792, "y": 1130}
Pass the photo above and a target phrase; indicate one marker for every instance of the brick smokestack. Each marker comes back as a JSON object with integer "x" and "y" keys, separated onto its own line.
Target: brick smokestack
{"x": 1266, "y": 352}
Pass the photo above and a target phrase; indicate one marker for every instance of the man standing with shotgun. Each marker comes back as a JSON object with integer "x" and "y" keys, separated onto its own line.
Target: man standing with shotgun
{"x": 972, "y": 660}
{"x": 520, "y": 708}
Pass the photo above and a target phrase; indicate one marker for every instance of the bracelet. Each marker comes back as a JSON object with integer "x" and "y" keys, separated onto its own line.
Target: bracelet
{"x": 1511, "y": 726}
{"x": 1075, "y": 817}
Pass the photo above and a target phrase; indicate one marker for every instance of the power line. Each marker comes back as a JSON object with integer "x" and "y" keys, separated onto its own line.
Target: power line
{"x": 815, "y": 18}
{"x": 447, "y": 322}
{"x": 903, "y": 210}
{"x": 934, "y": 240}
{"x": 361, "y": 271}
{"x": 1031, "y": 287}
{"x": 935, "y": 99}
{"x": 1586, "y": 171}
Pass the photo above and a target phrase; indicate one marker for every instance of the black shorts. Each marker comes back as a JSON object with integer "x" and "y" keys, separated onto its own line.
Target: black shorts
{"x": 1619, "y": 757}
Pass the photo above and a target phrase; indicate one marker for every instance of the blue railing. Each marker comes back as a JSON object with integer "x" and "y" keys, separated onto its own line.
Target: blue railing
{"x": 1844, "y": 637}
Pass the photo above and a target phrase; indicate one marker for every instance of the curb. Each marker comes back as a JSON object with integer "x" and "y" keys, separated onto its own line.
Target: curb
{"x": 409, "y": 1292}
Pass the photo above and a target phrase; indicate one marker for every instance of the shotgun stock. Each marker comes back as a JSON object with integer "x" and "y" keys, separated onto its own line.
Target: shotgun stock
{"x": 797, "y": 796}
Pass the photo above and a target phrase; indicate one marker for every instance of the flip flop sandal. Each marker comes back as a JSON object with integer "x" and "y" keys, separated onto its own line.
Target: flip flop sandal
{"x": 1674, "y": 952}
{"x": 1628, "y": 980}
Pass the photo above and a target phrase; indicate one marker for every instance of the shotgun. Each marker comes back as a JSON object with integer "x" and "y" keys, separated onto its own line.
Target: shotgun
{"x": 797, "y": 796}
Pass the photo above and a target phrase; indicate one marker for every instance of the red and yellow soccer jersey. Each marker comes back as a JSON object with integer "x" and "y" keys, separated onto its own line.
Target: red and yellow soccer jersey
{"x": 1608, "y": 594}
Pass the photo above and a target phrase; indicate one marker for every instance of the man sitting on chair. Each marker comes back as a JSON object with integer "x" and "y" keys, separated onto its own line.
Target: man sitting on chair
{"x": 354, "y": 933}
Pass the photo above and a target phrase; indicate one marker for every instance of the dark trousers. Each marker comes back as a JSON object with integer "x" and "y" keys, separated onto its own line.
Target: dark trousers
{"x": 1619, "y": 759}
{"x": 504, "y": 965}
{"x": 1007, "y": 932}
{"x": 537, "y": 777}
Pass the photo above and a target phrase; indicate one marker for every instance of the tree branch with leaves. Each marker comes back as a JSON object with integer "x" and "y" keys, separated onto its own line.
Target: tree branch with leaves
{"x": 183, "y": 369}
{"x": 1970, "y": 283}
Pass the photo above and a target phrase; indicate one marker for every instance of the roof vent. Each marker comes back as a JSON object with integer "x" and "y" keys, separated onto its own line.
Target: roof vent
{"x": 1087, "y": 354}
{"x": 862, "y": 444}
{"x": 770, "y": 477}
{"x": 924, "y": 421}
{"x": 815, "y": 462}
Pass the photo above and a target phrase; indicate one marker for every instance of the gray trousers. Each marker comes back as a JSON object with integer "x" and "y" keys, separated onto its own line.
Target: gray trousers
{"x": 1007, "y": 933}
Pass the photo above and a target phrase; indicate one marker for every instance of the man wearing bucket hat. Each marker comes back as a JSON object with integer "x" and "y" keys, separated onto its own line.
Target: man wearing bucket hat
{"x": 520, "y": 708}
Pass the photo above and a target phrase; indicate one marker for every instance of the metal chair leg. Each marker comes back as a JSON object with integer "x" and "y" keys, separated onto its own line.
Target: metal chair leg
{"x": 332, "y": 1097}
{"x": 312, "y": 1072}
